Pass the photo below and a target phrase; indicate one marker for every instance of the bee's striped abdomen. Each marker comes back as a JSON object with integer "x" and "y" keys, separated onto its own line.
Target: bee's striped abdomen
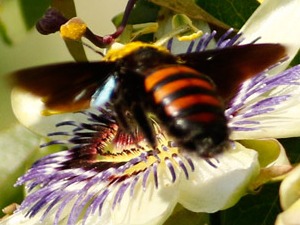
{"x": 183, "y": 92}
{"x": 188, "y": 105}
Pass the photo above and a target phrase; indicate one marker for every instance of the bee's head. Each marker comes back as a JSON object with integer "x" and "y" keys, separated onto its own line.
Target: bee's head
{"x": 141, "y": 56}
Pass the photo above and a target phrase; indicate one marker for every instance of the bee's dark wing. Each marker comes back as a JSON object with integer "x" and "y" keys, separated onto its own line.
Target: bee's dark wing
{"x": 64, "y": 87}
{"x": 229, "y": 67}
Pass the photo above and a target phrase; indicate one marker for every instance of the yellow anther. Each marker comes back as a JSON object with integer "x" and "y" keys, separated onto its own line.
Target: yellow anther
{"x": 74, "y": 29}
{"x": 190, "y": 37}
{"x": 192, "y": 33}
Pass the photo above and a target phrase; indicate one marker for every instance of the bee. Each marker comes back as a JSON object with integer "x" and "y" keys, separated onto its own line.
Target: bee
{"x": 187, "y": 93}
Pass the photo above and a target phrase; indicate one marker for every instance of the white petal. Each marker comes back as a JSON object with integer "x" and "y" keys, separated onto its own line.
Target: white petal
{"x": 269, "y": 109}
{"x": 211, "y": 189}
{"x": 147, "y": 207}
{"x": 132, "y": 201}
{"x": 20, "y": 219}
{"x": 289, "y": 189}
{"x": 275, "y": 21}
{"x": 290, "y": 216}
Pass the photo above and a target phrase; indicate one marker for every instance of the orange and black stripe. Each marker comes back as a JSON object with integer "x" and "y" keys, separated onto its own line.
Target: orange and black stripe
{"x": 184, "y": 93}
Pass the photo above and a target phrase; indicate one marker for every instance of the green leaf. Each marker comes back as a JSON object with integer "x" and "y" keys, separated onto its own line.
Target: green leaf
{"x": 76, "y": 50}
{"x": 19, "y": 150}
{"x": 232, "y": 12}
{"x": 143, "y": 12}
{"x": 117, "y": 19}
{"x": 259, "y": 209}
{"x": 182, "y": 216}
{"x": 4, "y": 35}
{"x": 17, "y": 17}
{"x": 296, "y": 60}
{"x": 67, "y": 7}
{"x": 191, "y": 9}
{"x": 292, "y": 146}
{"x": 32, "y": 10}
{"x": 18, "y": 145}
{"x": 12, "y": 22}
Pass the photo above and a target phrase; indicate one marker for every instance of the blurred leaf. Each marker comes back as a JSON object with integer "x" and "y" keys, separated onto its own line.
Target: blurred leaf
{"x": 18, "y": 141}
{"x": 292, "y": 146}
{"x": 76, "y": 50}
{"x": 117, "y": 20}
{"x": 4, "y": 35}
{"x": 17, "y": 146}
{"x": 32, "y": 10}
{"x": 296, "y": 60}
{"x": 191, "y": 9}
{"x": 232, "y": 12}
{"x": 13, "y": 26}
{"x": 19, "y": 16}
{"x": 6, "y": 114}
{"x": 66, "y": 7}
{"x": 143, "y": 12}
{"x": 260, "y": 209}
{"x": 182, "y": 216}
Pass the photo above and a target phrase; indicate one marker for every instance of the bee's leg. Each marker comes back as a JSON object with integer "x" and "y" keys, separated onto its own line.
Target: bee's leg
{"x": 144, "y": 124}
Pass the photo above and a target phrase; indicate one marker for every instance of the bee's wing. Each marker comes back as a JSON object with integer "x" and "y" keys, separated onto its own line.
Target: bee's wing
{"x": 64, "y": 87}
{"x": 229, "y": 67}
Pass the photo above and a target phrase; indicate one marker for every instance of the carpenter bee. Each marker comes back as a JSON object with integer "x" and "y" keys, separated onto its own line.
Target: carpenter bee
{"x": 186, "y": 93}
